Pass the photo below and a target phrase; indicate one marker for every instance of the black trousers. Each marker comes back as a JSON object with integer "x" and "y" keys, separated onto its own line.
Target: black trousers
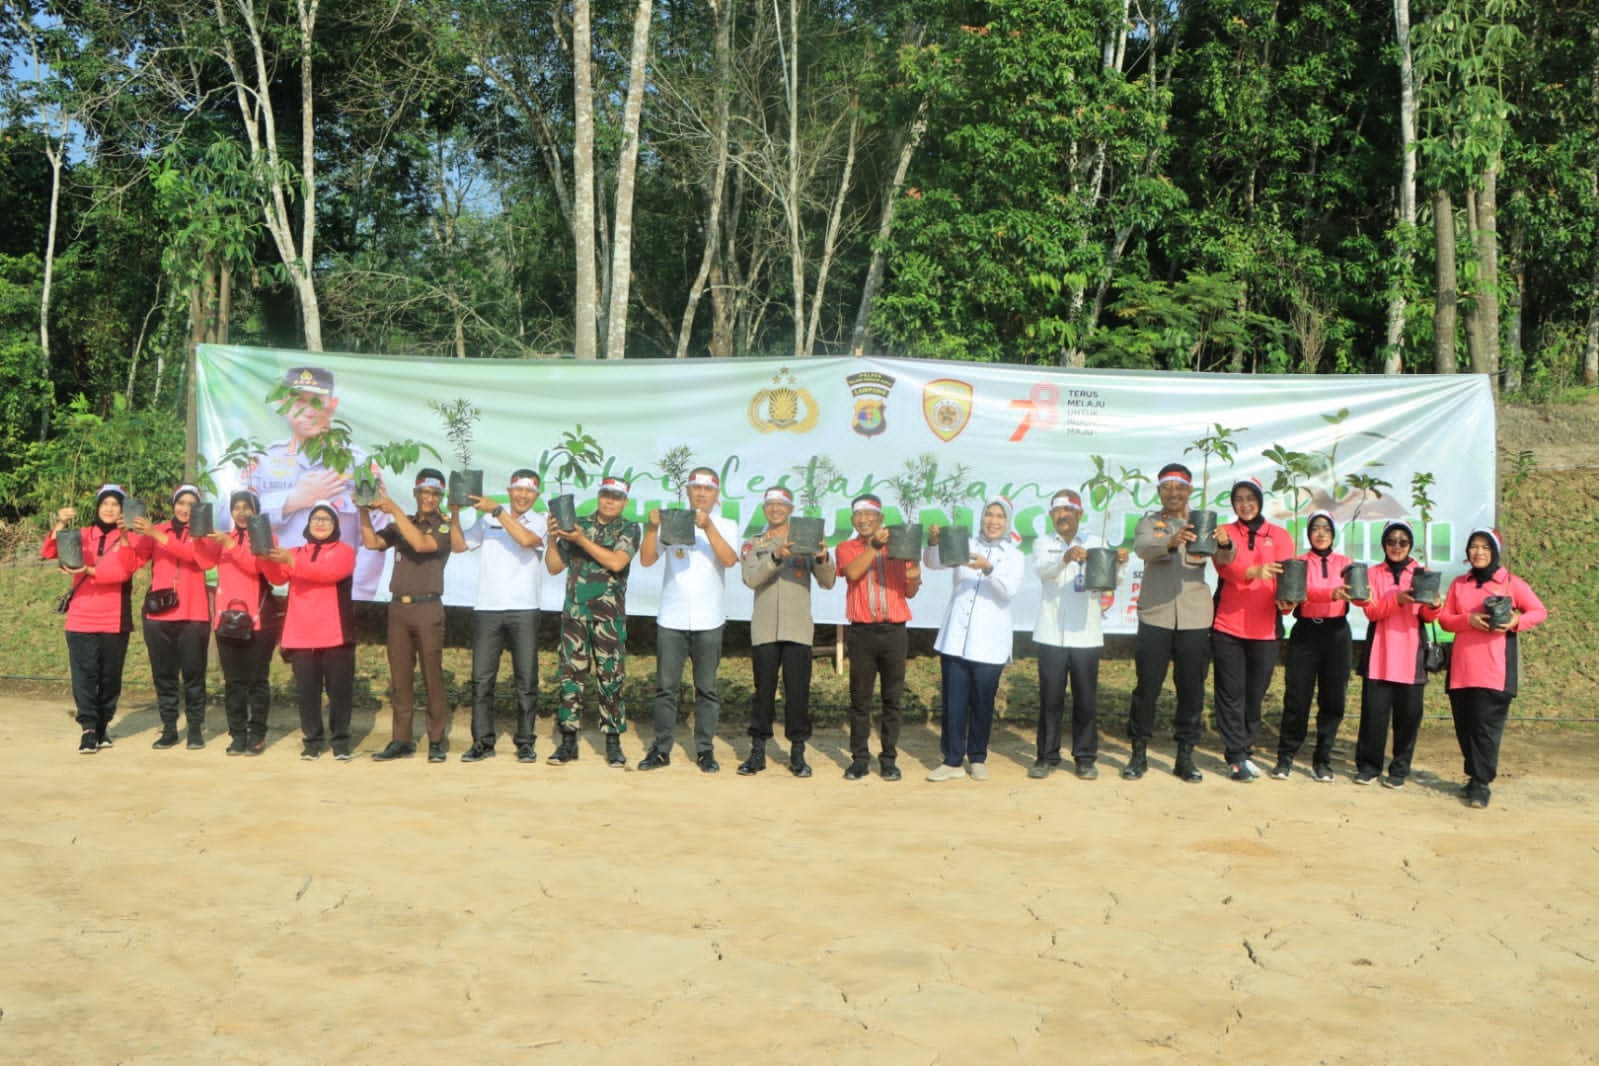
{"x": 876, "y": 650}
{"x": 1319, "y": 653}
{"x": 95, "y": 660}
{"x": 333, "y": 669}
{"x": 492, "y": 632}
{"x": 1480, "y": 715}
{"x": 1188, "y": 652}
{"x": 794, "y": 661}
{"x": 1058, "y": 669}
{"x": 1382, "y": 702}
{"x": 1243, "y": 673}
{"x": 178, "y": 650}
{"x": 247, "y": 679}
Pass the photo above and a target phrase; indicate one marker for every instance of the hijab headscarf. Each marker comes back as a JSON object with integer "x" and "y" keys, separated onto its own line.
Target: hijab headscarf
{"x": 1396, "y": 569}
{"x": 316, "y": 545}
{"x": 1326, "y": 518}
{"x": 1484, "y": 574}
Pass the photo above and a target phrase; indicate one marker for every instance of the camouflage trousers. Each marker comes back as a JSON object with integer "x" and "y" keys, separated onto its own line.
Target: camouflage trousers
{"x": 593, "y": 643}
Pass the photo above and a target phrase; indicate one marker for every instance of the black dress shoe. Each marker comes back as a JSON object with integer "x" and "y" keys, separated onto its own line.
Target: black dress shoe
{"x": 755, "y": 763}
{"x": 396, "y": 749}
{"x": 708, "y": 763}
{"x": 655, "y": 760}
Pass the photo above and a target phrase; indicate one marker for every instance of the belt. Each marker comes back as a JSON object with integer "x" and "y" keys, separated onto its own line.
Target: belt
{"x": 426, "y": 597}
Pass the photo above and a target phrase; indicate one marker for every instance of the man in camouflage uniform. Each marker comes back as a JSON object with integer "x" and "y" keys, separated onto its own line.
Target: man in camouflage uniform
{"x": 287, "y": 482}
{"x": 596, "y": 557}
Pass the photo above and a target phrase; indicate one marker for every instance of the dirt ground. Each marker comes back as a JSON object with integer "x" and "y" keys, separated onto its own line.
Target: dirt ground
{"x": 185, "y": 907}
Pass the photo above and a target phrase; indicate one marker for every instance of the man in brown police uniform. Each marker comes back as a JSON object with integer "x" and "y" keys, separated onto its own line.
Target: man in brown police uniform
{"x": 421, "y": 544}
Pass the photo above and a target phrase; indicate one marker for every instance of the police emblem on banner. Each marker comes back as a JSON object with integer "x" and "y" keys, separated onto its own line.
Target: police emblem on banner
{"x": 947, "y": 406}
{"x": 783, "y": 406}
{"x": 870, "y": 390}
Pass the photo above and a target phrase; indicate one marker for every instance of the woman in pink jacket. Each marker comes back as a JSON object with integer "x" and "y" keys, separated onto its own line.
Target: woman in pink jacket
{"x": 177, "y": 618}
{"x": 99, "y": 615}
{"x": 1484, "y": 665}
{"x": 1244, "y": 635}
{"x": 319, "y": 630}
{"x": 1319, "y": 653}
{"x": 1395, "y": 679}
{"x": 244, "y": 583}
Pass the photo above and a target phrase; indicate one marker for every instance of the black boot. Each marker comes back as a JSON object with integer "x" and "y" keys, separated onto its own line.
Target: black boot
{"x": 796, "y": 760}
{"x": 168, "y": 737}
{"x": 196, "y": 736}
{"x": 1184, "y": 767}
{"x": 566, "y": 751}
{"x": 1137, "y": 763}
{"x": 613, "y": 752}
{"x": 757, "y": 760}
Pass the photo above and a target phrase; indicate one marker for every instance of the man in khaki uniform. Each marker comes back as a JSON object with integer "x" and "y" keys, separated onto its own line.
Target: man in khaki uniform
{"x": 781, "y": 630}
{"x": 1174, "y": 615}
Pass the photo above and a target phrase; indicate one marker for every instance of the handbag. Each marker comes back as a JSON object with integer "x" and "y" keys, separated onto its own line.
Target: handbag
{"x": 1435, "y": 655}
{"x": 65, "y": 602}
{"x": 235, "y": 622}
{"x": 160, "y": 601}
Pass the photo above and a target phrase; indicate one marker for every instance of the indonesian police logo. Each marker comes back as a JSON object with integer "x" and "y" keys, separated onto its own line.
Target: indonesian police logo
{"x": 947, "y": 406}
{"x": 870, "y": 389}
{"x": 784, "y": 406}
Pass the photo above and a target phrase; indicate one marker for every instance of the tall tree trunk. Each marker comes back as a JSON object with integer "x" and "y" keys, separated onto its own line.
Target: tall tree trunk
{"x": 835, "y": 221}
{"x": 1394, "y": 340}
{"x": 1486, "y": 239}
{"x": 56, "y": 158}
{"x": 252, "y": 89}
{"x": 796, "y": 251}
{"x": 861, "y": 335}
{"x": 626, "y": 173}
{"x": 1472, "y": 311}
{"x": 1515, "y": 266}
{"x": 585, "y": 334}
{"x": 1448, "y": 300}
{"x": 713, "y": 212}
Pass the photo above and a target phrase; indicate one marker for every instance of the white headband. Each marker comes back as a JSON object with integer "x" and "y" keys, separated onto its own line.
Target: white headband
{"x": 866, "y": 505}
{"x": 1064, "y": 500}
{"x": 524, "y": 483}
{"x": 705, "y": 479}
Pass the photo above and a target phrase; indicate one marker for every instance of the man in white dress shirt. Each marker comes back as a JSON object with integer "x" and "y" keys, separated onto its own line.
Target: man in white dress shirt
{"x": 1068, "y": 638}
{"x": 507, "y": 610}
{"x": 690, "y": 620}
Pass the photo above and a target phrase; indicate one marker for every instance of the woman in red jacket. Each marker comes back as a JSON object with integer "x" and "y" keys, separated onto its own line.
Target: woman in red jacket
{"x": 1395, "y": 682}
{"x": 1319, "y": 653}
{"x": 1484, "y": 665}
{"x": 244, "y": 583}
{"x": 99, "y": 615}
{"x": 319, "y": 630}
{"x": 177, "y": 618}
{"x": 1244, "y": 635}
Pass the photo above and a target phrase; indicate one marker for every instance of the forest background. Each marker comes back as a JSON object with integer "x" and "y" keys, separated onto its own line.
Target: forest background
{"x": 1250, "y": 186}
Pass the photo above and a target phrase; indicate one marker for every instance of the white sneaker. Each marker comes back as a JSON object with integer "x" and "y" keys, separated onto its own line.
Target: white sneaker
{"x": 944, "y": 772}
{"x": 979, "y": 771}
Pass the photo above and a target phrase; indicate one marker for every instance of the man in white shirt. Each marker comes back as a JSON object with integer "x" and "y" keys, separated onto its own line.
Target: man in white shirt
{"x": 1068, "y": 638}
{"x": 507, "y": 610}
{"x": 690, "y": 620}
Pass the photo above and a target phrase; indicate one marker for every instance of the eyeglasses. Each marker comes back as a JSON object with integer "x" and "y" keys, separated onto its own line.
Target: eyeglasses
{"x": 1395, "y": 542}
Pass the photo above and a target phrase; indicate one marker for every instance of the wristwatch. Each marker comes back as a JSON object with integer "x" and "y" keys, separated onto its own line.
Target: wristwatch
{"x": 499, "y": 509}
